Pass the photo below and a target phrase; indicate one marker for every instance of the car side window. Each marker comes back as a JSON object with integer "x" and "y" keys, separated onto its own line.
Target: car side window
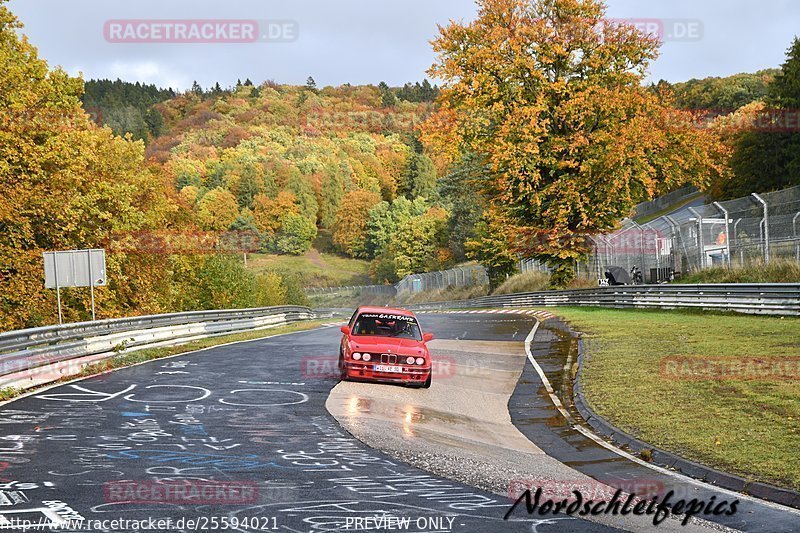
{"x": 353, "y": 318}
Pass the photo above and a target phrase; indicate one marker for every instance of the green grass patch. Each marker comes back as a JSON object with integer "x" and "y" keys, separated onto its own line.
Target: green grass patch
{"x": 142, "y": 356}
{"x": 757, "y": 272}
{"x": 669, "y": 209}
{"x": 745, "y": 427}
{"x": 315, "y": 269}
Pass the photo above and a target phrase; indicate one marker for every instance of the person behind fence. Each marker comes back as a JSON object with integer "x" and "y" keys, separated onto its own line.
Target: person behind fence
{"x": 636, "y": 275}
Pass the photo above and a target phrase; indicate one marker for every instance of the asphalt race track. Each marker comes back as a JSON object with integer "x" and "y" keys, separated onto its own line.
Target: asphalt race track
{"x": 243, "y": 428}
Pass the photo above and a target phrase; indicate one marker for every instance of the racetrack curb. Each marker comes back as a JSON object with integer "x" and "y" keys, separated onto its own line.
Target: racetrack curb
{"x": 669, "y": 460}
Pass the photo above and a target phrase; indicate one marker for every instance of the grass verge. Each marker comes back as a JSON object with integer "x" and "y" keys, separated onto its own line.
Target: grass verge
{"x": 142, "y": 356}
{"x": 669, "y": 209}
{"x": 757, "y": 272}
{"x": 315, "y": 269}
{"x": 536, "y": 281}
{"x": 749, "y": 427}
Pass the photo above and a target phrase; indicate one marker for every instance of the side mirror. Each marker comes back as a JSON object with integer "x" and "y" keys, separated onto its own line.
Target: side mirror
{"x": 426, "y": 337}
{"x": 345, "y": 330}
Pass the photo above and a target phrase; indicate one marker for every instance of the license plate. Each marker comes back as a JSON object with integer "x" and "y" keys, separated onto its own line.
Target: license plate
{"x": 390, "y": 369}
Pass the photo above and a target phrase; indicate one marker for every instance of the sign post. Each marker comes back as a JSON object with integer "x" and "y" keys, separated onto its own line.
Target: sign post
{"x": 74, "y": 268}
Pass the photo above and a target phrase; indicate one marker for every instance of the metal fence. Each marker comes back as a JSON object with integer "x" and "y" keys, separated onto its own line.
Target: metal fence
{"x": 354, "y": 290}
{"x": 751, "y": 230}
{"x": 40, "y": 355}
{"x": 767, "y": 298}
{"x": 468, "y": 276}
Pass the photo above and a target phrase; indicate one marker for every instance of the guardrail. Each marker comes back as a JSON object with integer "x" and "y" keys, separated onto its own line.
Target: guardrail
{"x": 40, "y": 355}
{"x": 765, "y": 298}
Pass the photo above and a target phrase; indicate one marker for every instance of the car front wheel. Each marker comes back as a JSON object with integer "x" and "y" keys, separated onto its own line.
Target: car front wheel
{"x": 342, "y": 372}
{"x": 427, "y": 384}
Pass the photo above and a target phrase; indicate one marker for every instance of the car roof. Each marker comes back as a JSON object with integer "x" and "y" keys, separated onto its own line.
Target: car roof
{"x": 388, "y": 310}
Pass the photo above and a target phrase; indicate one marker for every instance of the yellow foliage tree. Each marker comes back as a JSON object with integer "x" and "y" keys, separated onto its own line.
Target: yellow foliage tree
{"x": 350, "y": 231}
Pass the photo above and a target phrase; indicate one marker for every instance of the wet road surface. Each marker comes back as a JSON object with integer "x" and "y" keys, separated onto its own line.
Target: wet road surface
{"x": 233, "y": 435}
{"x": 249, "y": 421}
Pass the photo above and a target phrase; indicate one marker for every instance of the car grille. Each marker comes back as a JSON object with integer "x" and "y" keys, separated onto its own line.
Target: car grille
{"x": 388, "y": 358}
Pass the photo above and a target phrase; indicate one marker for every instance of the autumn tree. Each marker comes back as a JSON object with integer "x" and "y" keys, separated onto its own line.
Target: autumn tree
{"x": 267, "y": 212}
{"x": 66, "y": 183}
{"x": 385, "y": 219}
{"x": 419, "y": 245}
{"x": 350, "y": 231}
{"x": 217, "y": 210}
{"x": 490, "y": 246}
{"x": 332, "y": 191}
{"x": 459, "y": 192}
{"x": 296, "y": 234}
{"x": 550, "y": 93}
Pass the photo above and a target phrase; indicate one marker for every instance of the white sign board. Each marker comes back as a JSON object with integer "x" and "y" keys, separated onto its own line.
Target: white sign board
{"x": 75, "y": 268}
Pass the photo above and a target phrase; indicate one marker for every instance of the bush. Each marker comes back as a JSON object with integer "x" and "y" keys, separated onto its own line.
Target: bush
{"x": 535, "y": 281}
{"x": 269, "y": 290}
{"x": 531, "y": 281}
{"x": 296, "y": 235}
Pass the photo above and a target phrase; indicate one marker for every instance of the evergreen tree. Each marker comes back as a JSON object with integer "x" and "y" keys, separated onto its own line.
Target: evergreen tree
{"x": 311, "y": 85}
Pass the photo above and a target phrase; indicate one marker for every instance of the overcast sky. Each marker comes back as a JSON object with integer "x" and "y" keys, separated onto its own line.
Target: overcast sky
{"x": 367, "y": 41}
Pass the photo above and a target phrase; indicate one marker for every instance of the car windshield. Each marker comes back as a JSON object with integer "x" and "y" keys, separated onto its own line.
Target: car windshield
{"x": 387, "y": 325}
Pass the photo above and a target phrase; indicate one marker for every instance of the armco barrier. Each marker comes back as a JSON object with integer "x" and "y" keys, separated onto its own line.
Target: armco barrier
{"x": 34, "y": 356}
{"x": 764, "y": 298}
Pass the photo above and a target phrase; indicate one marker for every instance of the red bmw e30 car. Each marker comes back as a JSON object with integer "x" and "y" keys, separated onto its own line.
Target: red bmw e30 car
{"x": 386, "y": 345}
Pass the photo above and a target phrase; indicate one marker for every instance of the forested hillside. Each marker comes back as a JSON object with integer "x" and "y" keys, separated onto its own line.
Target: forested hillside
{"x": 724, "y": 94}
{"x": 411, "y": 179}
{"x": 286, "y": 162}
{"x": 126, "y": 107}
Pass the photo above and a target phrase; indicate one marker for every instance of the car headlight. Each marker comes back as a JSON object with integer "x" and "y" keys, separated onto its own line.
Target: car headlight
{"x": 357, "y": 356}
{"x": 420, "y": 360}
{"x": 366, "y": 357}
{"x": 410, "y": 360}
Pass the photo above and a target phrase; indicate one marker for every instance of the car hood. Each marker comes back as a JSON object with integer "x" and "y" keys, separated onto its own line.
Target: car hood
{"x": 377, "y": 344}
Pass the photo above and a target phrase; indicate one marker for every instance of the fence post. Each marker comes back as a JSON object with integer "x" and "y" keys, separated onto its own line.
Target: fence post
{"x": 727, "y": 232}
{"x": 673, "y": 242}
{"x": 656, "y": 249}
{"x": 641, "y": 246}
{"x": 701, "y": 244}
{"x": 738, "y": 243}
{"x": 609, "y": 250}
{"x": 766, "y": 226}
{"x": 796, "y": 242}
{"x": 596, "y": 256}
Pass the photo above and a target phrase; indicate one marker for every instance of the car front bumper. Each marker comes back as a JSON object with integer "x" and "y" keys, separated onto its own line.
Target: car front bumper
{"x": 411, "y": 375}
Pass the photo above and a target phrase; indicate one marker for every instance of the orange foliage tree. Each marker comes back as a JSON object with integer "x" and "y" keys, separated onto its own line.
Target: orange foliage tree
{"x": 350, "y": 231}
{"x": 550, "y": 93}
